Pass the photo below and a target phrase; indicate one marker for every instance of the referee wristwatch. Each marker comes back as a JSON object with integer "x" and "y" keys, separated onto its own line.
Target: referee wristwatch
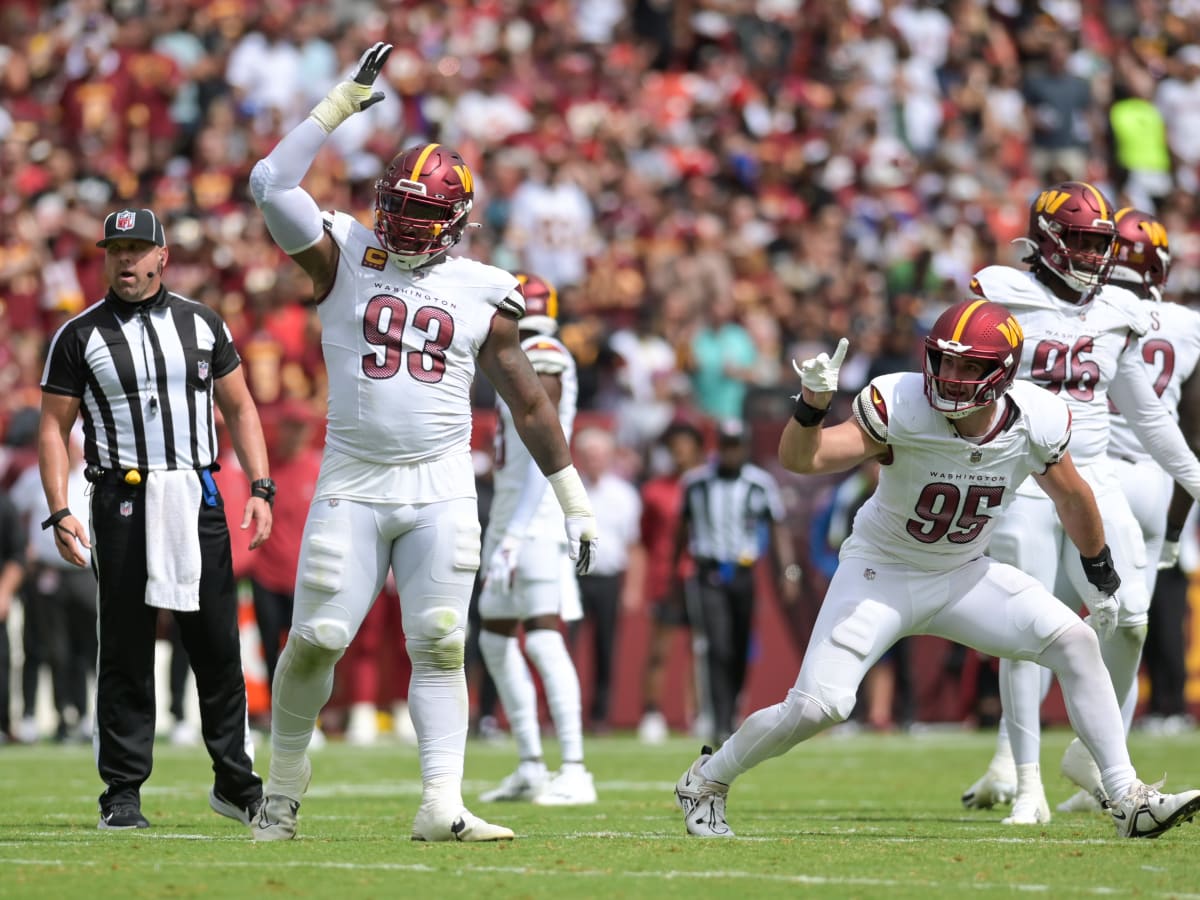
{"x": 264, "y": 489}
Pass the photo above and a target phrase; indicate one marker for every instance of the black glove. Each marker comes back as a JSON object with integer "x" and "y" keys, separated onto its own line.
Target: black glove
{"x": 370, "y": 64}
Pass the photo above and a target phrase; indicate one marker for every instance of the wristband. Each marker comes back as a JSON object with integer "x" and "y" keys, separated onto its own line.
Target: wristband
{"x": 571, "y": 494}
{"x": 808, "y": 416}
{"x": 1173, "y": 535}
{"x": 263, "y": 489}
{"x": 343, "y": 101}
{"x": 55, "y": 518}
{"x": 1100, "y": 572}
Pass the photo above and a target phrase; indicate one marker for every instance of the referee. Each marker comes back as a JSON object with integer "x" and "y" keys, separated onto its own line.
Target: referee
{"x": 729, "y": 506}
{"x": 143, "y": 366}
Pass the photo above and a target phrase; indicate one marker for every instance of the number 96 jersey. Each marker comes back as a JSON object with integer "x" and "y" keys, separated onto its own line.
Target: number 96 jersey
{"x": 940, "y": 495}
{"x": 1072, "y": 350}
{"x": 400, "y": 348}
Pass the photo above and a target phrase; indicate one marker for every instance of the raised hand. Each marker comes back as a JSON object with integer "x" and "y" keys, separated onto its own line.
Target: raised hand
{"x": 370, "y": 64}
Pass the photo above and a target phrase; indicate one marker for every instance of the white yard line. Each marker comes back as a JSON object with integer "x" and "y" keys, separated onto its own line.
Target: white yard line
{"x": 669, "y": 875}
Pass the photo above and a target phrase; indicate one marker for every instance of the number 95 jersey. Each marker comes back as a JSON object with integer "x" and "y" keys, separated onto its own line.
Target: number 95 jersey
{"x": 400, "y": 348}
{"x": 940, "y": 495}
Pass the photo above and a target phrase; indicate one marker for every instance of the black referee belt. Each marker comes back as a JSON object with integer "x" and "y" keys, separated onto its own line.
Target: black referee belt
{"x": 114, "y": 477}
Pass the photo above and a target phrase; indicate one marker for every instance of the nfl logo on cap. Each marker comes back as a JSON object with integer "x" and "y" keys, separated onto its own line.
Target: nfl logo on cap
{"x": 125, "y": 220}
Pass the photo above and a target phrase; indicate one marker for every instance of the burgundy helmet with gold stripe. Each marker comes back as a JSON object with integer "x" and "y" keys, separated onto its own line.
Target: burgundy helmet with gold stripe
{"x": 976, "y": 330}
{"x": 1071, "y": 226}
{"x": 422, "y": 202}
{"x": 1143, "y": 253}
{"x": 541, "y": 304}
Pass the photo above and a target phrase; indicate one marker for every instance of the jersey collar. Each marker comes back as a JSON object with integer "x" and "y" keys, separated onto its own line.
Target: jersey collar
{"x": 126, "y": 310}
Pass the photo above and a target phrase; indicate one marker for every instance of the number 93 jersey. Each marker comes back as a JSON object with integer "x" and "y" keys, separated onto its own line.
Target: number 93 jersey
{"x": 940, "y": 495}
{"x": 400, "y": 348}
{"x": 1072, "y": 350}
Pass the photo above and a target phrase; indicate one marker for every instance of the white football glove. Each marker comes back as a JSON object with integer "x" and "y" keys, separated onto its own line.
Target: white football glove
{"x": 348, "y": 97}
{"x": 1169, "y": 558}
{"x": 820, "y": 374}
{"x": 1103, "y": 608}
{"x": 502, "y": 565}
{"x": 580, "y": 522}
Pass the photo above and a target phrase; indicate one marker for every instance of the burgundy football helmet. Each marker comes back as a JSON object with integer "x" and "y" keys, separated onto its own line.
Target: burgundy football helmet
{"x": 973, "y": 330}
{"x": 1073, "y": 234}
{"x": 422, "y": 202}
{"x": 1143, "y": 258}
{"x": 541, "y": 304}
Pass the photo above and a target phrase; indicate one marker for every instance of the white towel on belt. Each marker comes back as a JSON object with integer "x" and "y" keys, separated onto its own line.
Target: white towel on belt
{"x": 173, "y": 540}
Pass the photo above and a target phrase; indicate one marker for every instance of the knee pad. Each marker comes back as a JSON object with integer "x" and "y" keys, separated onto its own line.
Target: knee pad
{"x": 316, "y": 646}
{"x": 802, "y": 708}
{"x": 440, "y": 641}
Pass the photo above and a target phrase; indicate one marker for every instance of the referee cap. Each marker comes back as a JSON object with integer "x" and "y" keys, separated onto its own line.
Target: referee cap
{"x": 731, "y": 432}
{"x": 133, "y": 224}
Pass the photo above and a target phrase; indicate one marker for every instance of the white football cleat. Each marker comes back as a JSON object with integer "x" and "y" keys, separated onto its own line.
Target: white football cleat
{"x": 1079, "y": 767}
{"x": 1029, "y": 809}
{"x": 434, "y": 826}
{"x": 1080, "y": 802}
{"x": 523, "y": 784}
{"x": 702, "y": 801}
{"x": 995, "y": 787}
{"x": 652, "y": 729}
{"x": 1146, "y": 812}
{"x": 573, "y": 786}
{"x": 277, "y": 815}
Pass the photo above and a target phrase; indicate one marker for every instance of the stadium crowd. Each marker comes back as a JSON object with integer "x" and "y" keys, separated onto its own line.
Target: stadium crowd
{"x": 715, "y": 187}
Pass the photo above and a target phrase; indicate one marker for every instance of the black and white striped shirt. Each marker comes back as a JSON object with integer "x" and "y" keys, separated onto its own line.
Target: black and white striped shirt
{"x": 726, "y": 516}
{"x": 144, "y": 374}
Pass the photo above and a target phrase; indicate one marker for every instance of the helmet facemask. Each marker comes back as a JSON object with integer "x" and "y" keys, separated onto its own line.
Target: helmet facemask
{"x": 415, "y": 227}
{"x": 958, "y": 397}
{"x": 1081, "y": 256}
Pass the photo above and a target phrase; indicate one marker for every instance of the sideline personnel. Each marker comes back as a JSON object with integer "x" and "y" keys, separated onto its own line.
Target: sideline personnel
{"x": 143, "y": 367}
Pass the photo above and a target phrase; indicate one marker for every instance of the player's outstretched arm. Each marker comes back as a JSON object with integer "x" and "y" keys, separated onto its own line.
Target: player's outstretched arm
{"x": 291, "y": 213}
{"x": 1077, "y": 509}
{"x": 1181, "y": 500}
{"x": 536, "y": 420}
{"x": 1133, "y": 394}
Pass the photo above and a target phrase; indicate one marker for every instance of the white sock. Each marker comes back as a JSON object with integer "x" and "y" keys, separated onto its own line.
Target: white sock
{"x": 437, "y": 701}
{"x": 514, "y": 684}
{"x": 303, "y": 683}
{"x": 1092, "y": 706}
{"x": 1020, "y": 694}
{"x": 769, "y": 732}
{"x": 548, "y": 652}
{"x": 1122, "y": 657}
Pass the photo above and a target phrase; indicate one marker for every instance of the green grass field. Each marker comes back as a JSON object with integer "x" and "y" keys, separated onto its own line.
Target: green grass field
{"x": 861, "y": 816}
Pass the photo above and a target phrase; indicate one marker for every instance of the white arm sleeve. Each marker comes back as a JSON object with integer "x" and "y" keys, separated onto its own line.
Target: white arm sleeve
{"x": 1151, "y": 421}
{"x": 291, "y": 213}
{"x": 533, "y": 488}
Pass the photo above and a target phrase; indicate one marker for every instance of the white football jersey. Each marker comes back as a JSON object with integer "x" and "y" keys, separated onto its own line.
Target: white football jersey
{"x": 1170, "y": 350}
{"x": 400, "y": 348}
{"x": 548, "y": 356}
{"x": 940, "y": 495}
{"x": 1071, "y": 350}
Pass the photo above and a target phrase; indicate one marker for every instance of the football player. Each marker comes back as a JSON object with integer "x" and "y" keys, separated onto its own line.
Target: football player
{"x": 955, "y": 443}
{"x": 403, "y": 325}
{"x": 530, "y": 581}
{"x": 1081, "y": 335}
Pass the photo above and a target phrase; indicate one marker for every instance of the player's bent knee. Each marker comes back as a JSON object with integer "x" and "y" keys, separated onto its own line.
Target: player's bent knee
{"x": 318, "y": 645}
{"x": 833, "y": 703}
{"x": 440, "y": 641}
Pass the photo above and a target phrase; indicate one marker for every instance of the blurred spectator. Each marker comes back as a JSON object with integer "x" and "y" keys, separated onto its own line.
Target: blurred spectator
{"x": 12, "y": 551}
{"x": 662, "y": 504}
{"x": 59, "y": 602}
{"x": 1061, "y": 104}
{"x": 722, "y": 357}
{"x": 617, "y": 581}
{"x": 295, "y": 464}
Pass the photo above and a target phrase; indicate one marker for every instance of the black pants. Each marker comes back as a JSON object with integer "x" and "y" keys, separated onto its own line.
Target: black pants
{"x": 273, "y": 612}
{"x": 125, "y": 681}
{"x": 1164, "y": 653}
{"x": 60, "y": 610}
{"x": 725, "y": 596}
{"x": 601, "y": 599}
{"x": 5, "y": 688}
